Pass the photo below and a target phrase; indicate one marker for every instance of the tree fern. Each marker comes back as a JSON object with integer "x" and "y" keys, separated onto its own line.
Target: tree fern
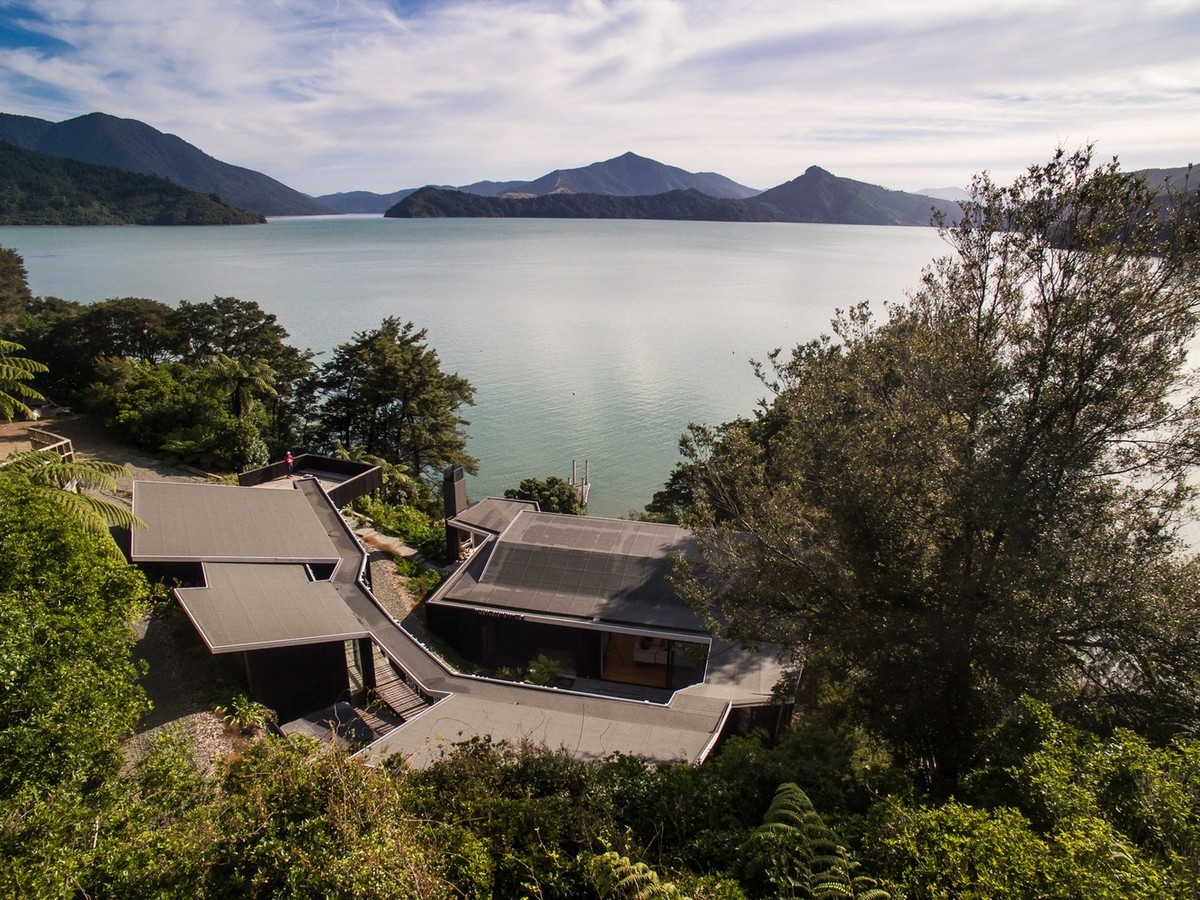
{"x": 616, "y": 876}
{"x": 795, "y": 854}
{"x": 14, "y": 372}
{"x": 64, "y": 482}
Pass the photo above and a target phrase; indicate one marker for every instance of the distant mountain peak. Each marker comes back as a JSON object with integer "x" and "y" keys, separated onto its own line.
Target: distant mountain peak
{"x": 103, "y": 139}
{"x": 627, "y": 175}
{"x": 821, "y": 196}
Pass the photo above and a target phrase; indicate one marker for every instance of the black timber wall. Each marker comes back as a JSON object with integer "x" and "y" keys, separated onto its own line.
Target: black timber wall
{"x": 297, "y": 680}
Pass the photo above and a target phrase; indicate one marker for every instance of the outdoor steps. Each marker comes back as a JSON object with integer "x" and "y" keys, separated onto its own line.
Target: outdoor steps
{"x": 378, "y": 717}
{"x": 393, "y": 690}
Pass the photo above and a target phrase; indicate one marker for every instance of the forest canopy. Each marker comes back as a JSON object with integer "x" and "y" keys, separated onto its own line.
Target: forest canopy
{"x": 979, "y": 498}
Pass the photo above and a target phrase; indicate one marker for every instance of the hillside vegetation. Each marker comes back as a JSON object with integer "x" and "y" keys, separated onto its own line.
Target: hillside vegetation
{"x": 134, "y": 146}
{"x": 691, "y": 205}
{"x": 36, "y": 189}
{"x": 816, "y": 196}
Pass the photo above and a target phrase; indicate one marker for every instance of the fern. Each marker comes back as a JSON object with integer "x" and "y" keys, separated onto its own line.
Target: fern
{"x": 616, "y": 876}
{"x": 793, "y": 853}
{"x": 64, "y": 483}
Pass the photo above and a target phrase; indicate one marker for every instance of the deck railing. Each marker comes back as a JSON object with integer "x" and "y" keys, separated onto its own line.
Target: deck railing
{"x": 40, "y": 439}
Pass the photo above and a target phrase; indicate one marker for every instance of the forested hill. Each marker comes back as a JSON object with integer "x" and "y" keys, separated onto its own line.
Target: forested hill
{"x": 816, "y": 196}
{"x": 690, "y": 205}
{"x": 820, "y": 196}
{"x": 627, "y": 175}
{"x": 136, "y": 147}
{"x": 37, "y": 189}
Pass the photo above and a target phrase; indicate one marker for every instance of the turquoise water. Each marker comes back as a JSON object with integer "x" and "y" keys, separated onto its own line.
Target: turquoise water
{"x": 585, "y": 340}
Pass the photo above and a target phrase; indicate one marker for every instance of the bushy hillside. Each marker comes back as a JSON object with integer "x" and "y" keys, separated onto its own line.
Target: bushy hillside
{"x": 36, "y": 189}
{"x": 691, "y": 205}
{"x": 136, "y": 147}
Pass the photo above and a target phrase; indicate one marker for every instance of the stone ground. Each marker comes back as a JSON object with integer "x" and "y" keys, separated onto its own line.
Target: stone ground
{"x": 182, "y": 680}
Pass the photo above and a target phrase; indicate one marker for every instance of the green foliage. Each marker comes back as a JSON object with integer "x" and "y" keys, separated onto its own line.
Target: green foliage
{"x": 64, "y": 483}
{"x": 1059, "y": 813}
{"x": 36, "y": 189}
{"x": 415, "y": 527}
{"x": 287, "y": 818}
{"x": 420, "y": 579}
{"x": 543, "y": 670}
{"x": 793, "y": 853}
{"x": 71, "y": 338}
{"x": 399, "y": 486}
{"x": 15, "y": 371}
{"x": 553, "y": 494}
{"x": 217, "y": 380}
{"x": 173, "y": 408}
{"x": 615, "y": 876}
{"x": 14, "y": 289}
{"x": 958, "y": 851}
{"x": 70, "y": 691}
{"x": 533, "y": 809}
{"x": 962, "y": 504}
{"x": 246, "y": 715}
{"x": 385, "y": 391}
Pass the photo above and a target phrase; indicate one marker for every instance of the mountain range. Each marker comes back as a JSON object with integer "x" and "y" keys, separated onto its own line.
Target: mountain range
{"x": 816, "y": 196}
{"x": 627, "y": 175}
{"x": 134, "y": 146}
{"x": 628, "y": 182}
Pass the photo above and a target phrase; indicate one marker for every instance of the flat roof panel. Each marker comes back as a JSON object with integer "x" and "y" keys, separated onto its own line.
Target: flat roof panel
{"x": 586, "y": 728}
{"x": 249, "y": 606}
{"x": 188, "y": 522}
{"x": 492, "y": 514}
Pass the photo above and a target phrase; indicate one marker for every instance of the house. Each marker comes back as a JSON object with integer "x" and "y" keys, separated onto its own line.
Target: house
{"x": 276, "y": 581}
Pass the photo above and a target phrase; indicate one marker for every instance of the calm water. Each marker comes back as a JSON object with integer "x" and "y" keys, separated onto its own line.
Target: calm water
{"x": 585, "y": 340}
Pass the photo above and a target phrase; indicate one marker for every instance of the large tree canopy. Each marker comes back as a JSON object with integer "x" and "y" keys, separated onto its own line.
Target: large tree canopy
{"x": 14, "y": 288}
{"x": 978, "y": 498}
{"x": 385, "y": 392}
{"x": 553, "y": 494}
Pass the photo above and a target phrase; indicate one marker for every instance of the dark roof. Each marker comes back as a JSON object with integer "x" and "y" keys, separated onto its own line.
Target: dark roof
{"x": 492, "y": 514}
{"x": 189, "y": 522}
{"x": 602, "y": 570}
{"x": 249, "y": 606}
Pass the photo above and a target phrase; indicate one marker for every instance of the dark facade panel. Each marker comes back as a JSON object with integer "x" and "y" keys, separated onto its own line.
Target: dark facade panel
{"x": 296, "y": 680}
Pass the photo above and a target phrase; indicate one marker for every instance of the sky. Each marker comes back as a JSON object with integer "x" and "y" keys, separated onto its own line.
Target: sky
{"x": 379, "y": 95}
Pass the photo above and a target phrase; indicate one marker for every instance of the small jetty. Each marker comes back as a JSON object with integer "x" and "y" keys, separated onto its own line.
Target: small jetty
{"x": 581, "y": 487}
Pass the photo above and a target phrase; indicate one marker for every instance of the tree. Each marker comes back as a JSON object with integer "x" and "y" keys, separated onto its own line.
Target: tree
{"x": 239, "y": 329}
{"x": 173, "y": 408}
{"x": 553, "y": 494}
{"x": 245, "y": 382}
{"x": 386, "y": 393}
{"x": 15, "y": 371}
{"x": 979, "y": 498}
{"x": 14, "y": 288}
{"x": 243, "y": 332}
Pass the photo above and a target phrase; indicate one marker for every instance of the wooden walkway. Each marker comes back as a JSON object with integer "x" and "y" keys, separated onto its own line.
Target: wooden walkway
{"x": 393, "y": 690}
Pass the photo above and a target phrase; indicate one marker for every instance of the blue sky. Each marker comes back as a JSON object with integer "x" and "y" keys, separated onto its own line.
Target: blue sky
{"x": 338, "y": 95}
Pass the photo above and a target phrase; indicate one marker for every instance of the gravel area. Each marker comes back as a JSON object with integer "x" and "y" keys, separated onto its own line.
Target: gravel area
{"x": 183, "y": 683}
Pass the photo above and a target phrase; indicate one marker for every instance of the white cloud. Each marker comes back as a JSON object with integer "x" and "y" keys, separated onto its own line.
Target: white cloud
{"x": 361, "y": 94}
